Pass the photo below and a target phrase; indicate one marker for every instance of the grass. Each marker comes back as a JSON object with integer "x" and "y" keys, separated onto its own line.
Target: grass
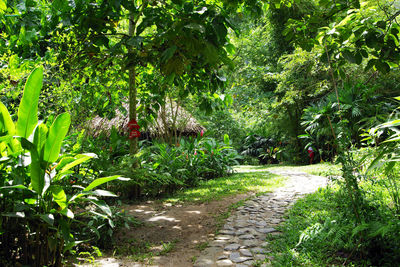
{"x": 202, "y": 246}
{"x": 320, "y": 230}
{"x": 216, "y": 189}
{"x": 135, "y": 250}
{"x": 322, "y": 169}
{"x": 144, "y": 251}
{"x": 167, "y": 247}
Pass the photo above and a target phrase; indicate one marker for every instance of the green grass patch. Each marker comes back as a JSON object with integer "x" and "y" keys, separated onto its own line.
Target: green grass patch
{"x": 143, "y": 251}
{"x": 202, "y": 246}
{"x": 322, "y": 169}
{"x": 216, "y": 189}
{"x": 135, "y": 250}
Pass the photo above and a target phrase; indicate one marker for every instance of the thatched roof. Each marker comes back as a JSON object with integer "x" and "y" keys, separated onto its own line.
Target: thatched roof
{"x": 185, "y": 123}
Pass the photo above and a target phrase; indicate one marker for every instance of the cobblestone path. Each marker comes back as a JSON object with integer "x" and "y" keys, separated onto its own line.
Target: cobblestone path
{"x": 241, "y": 241}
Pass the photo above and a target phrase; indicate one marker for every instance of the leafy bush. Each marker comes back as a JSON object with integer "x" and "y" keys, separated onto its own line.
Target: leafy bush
{"x": 264, "y": 149}
{"x": 359, "y": 222}
{"x": 164, "y": 168}
{"x": 104, "y": 226}
{"x": 37, "y": 206}
{"x": 320, "y": 231}
{"x": 192, "y": 160}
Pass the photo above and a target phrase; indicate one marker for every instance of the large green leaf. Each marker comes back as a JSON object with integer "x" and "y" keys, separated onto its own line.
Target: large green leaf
{"x": 349, "y": 56}
{"x": 103, "y": 193}
{"x": 20, "y": 186}
{"x": 377, "y": 162}
{"x": 226, "y": 139}
{"x": 55, "y": 137}
{"x": 28, "y": 109}
{"x": 49, "y": 218}
{"x": 382, "y": 66}
{"x": 103, "y": 206}
{"x": 6, "y": 138}
{"x": 59, "y": 196}
{"x": 103, "y": 180}
{"x": 6, "y": 123}
{"x": 17, "y": 214}
{"x": 79, "y": 159}
{"x": 65, "y": 230}
{"x": 15, "y": 147}
{"x": 67, "y": 212}
{"x": 167, "y": 54}
{"x": 39, "y": 138}
{"x": 37, "y": 174}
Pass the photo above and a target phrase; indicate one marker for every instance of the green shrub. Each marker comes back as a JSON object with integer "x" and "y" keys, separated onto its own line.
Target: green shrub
{"x": 266, "y": 150}
{"x": 319, "y": 231}
{"x": 38, "y": 203}
{"x": 193, "y": 160}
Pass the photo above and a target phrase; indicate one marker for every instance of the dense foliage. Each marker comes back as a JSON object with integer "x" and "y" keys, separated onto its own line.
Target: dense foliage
{"x": 37, "y": 200}
{"x": 267, "y": 80}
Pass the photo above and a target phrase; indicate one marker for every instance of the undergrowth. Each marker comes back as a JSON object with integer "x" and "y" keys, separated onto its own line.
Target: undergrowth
{"x": 319, "y": 232}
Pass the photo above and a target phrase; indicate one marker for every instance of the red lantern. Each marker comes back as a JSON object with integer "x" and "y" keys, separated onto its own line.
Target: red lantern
{"x": 134, "y": 134}
{"x": 133, "y": 125}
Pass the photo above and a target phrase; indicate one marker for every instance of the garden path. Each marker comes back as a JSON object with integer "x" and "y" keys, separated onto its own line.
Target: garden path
{"x": 240, "y": 242}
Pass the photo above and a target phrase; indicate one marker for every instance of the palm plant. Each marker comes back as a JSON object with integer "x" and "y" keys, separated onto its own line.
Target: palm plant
{"x": 318, "y": 122}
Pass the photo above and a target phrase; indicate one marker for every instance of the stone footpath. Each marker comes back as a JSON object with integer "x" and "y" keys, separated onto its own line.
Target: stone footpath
{"x": 241, "y": 242}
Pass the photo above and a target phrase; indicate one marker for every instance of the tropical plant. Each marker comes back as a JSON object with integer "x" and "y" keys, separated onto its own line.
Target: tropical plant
{"x": 37, "y": 211}
{"x": 194, "y": 159}
{"x": 266, "y": 150}
{"x": 386, "y": 156}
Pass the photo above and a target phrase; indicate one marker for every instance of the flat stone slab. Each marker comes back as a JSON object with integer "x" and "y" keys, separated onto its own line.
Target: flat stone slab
{"x": 246, "y": 252}
{"x": 266, "y": 230}
{"x": 218, "y": 243}
{"x": 204, "y": 262}
{"x": 227, "y": 232}
{"x": 258, "y": 250}
{"x": 223, "y": 237}
{"x": 252, "y": 243}
{"x": 232, "y": 247}
{"x": 246, "y": 237}
{"x": 224, "y": 263}
{"x": 237, "y": 258}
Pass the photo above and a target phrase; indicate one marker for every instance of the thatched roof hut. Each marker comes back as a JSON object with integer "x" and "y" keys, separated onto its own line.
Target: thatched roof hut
{"x": 172, "y": 119}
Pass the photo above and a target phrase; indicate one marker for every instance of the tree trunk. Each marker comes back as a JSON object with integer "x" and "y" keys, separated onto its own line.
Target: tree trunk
{"x": 133, "y": 144}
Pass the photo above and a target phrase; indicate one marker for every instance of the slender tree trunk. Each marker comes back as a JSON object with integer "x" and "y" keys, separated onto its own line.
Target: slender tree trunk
{"x": 333, "y": 79}
{"x": 133, "y": 145}
{"x": 166, "y": 131}
{"x": 330, "y": 124}
{"x": 174, "y": 119}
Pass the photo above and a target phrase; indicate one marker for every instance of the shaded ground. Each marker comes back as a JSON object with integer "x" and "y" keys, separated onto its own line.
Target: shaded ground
{"x": 183, "y": 229}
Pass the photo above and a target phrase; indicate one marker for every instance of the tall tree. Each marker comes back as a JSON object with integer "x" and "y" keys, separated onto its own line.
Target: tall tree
{"x": 178, "y": 37}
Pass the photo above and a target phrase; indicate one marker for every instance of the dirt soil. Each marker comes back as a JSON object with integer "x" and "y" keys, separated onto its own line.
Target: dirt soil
{"x": 188, "y": 226}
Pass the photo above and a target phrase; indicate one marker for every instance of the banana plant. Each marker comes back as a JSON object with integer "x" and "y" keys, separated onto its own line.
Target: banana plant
{"x": 44, "y": 206}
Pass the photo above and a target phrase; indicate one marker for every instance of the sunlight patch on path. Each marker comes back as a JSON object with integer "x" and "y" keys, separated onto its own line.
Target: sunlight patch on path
{"x": 162, "y": 218}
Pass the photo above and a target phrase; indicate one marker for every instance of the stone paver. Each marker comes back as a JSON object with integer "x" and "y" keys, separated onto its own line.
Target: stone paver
{"x": 246, "y": 230}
